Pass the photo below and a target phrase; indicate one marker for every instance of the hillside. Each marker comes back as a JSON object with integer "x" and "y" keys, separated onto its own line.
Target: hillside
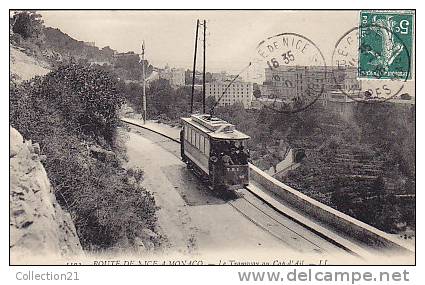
{"x": 67, "y": 46}
{"x": 24, "y": 67}
{"x": 68, "y": 107}
{"x": 364, "y": 167}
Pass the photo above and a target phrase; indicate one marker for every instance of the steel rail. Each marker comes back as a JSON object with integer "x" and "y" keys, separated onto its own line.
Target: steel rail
{"x": 325, "y": 237}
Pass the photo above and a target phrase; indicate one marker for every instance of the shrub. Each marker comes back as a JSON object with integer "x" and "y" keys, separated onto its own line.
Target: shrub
{"x": 66, "y": 111}
{"x": 28, "y": 24}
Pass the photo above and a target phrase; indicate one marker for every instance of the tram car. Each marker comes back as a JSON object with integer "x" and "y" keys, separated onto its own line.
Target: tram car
{"x": 215, "y": 151}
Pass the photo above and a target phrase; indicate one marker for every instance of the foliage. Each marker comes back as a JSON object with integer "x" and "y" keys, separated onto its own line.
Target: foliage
{"x": 378, "y": 137}
{"x": 69, "y": 48}
{"x": 391, "y": 129}
{"x": 373, "y": 206}
{"x": 67, "y": 112}
{"x": 27, "y": 24}
{"x": 188, "y": 77}
{"x": 377, "y": 141}
{"x": 257, "y": 91}
{"x": 362, "y": 167}
{"x": 57, "y": 48}
{"x": 165, "y": 103}
{"x": 126, "y": 66}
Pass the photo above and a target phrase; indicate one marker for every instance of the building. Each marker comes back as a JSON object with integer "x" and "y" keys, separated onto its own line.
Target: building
{"x": 219, "y": 76}
{"x": 223, "y": 76}
{"x": 288, "y": 82}
{"x": 176, "y": 76}
{"x": 264, "y": 91}
{"x": 91, "y": 44}
{"x": 126, "y": 60}
{"x": 237, "y": 92}
{"x": 127, "y": 55}
{"x": 152, "y": 77}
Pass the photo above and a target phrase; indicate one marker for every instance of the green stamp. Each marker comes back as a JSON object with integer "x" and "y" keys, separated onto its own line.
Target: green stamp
{"x": 385, "y": 47}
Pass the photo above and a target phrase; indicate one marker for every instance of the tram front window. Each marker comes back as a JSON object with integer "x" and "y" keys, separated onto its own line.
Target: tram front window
{"x": 241, "y": 153}
{"x": 230, "y": 152}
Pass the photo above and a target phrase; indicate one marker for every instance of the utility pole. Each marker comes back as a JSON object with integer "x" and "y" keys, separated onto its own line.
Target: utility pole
{"x": 143, "y": 83}
{"x": 194, "y": 66}
{"x": 203, "y": 71}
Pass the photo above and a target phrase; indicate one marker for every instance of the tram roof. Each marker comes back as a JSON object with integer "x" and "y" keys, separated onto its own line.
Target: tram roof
{"x": 215, "y": 127}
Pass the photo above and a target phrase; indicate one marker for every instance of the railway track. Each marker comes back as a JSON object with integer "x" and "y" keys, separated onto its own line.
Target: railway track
{"x": 263, "y": 213}
{"x": 274, "y": 226}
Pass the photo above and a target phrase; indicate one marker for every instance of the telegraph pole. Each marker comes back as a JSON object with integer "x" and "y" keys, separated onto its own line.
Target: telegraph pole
{"x": 194, "y": 66}
{"x": 143, "y": 83}
{"x": 203, "y": 71}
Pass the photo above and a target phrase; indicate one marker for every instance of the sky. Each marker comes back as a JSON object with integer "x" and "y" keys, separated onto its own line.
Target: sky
{"x": 232, "y": 36}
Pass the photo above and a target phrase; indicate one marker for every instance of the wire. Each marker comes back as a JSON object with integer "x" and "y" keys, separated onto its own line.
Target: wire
{"x": 227, "y": 87}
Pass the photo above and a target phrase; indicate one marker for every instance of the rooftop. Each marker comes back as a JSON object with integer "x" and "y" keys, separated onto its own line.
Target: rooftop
{"x": 215, "y": 127}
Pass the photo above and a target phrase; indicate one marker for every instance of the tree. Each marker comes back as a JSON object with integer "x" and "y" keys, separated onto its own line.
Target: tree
{"x": 257, "y": 93}
{"x": 28, "y": 24}
{"x": 378, "y": 186}
{"x": 160, "y": 97}
{"x": 340, "y": 198}
{"x": 208, "y": 77}
{"x": 210, "y": 102}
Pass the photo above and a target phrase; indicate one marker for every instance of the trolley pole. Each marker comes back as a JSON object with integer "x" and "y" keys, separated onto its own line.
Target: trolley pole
{"x": 143, "y": 84}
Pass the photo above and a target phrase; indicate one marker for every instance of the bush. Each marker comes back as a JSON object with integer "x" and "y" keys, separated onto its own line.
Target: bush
{"x": 28, "y": 24}
{"x": 164, "y": 103}
{"x": 86, "y": 100}
{"x": 66, "y": 112}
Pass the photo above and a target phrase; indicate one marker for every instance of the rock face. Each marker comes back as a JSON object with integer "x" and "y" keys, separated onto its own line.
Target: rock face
{"x": 39, "y": 228}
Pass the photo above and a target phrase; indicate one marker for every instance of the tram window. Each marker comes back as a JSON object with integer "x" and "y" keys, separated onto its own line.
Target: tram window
{"x": 202, "y": 144}
{"x": 196, "y": 140}
{"x": 186, "y": 132}
{"x": 192, "y": 136}
{"x": 207, "y": 146}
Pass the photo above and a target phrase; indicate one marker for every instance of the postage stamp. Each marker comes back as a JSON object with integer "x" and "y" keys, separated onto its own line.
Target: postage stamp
{"x": 212, "y": 137}
{"x": 386, "y": 40}
{"x": 362, "y": 71}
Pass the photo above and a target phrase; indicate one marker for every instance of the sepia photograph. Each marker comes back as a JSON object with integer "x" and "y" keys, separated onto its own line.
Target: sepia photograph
{"x": 212, "y": 137}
